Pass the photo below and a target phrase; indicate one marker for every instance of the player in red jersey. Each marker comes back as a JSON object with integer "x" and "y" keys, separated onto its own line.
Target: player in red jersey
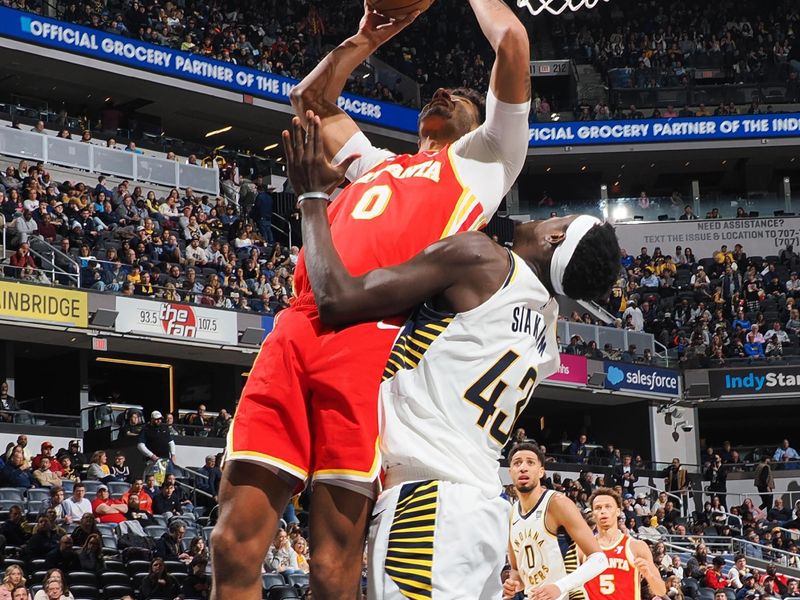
{"x": 628, "y": 559}
{"x": 309, "y": 409}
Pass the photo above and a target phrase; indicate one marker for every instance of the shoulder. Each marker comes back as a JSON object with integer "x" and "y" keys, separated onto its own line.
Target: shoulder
{"x": 639, "y": 548}
{"x": 471, "y": 247}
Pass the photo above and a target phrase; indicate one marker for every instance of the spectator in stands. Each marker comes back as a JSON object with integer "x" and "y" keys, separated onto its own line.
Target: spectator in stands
{"x": 779, "y": 513}
{"x": 137, "y": 489}
{"x": 42, "y": 541}
{"x": 262, "y": 212}
{"x": 133, "y": 426}
{"x": 183, "y": 498}
{"x": 155, "y": 441}
{"x": 21, "y": 259}
{"x": 135, "y": 513}
{"x": 167, "y": 502}
{"x": 197, "y": 584}
{"x": 98, "y": 467}
{"x": 44, "y": 476}
{"x": 150, "y": 486}
{"x": 764, "y": 482}
{"x": 578, "y": 450}
{"x": 11, "y": 529}
{"x": 786, "y": 456}
{"x": 717, "y": 476}
{"x": 12, "y": 579}
{"x": 158, "y": 583}
{"x": 714, "y": 577}
{"x": 676, "y": 479}
{"x": 74, "y": 507}
{"x": 222, "y": 423}
{"x": 106, "y": 509}
{"x": 213, "y": 475}
{"x": 281, "y": 558}
{"x": 86, "y": 526}
{"x": 91, "y": 554}
{"x": 199, "y": 422}
{"x": 168, "y": 546}
{"x": 47, "y": 452}
{"x": 688, "y": 214}
{"x": 198, "y": 548}
{"x": 13, "y": 474}
{"x": 8, "y": 404}
{"x": 63, "y": 556}
{"x": 119, "y": 470}
{"x": 624, "y": 475}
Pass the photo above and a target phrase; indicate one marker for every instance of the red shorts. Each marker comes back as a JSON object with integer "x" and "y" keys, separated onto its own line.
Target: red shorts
{"x": 310, "y": 405}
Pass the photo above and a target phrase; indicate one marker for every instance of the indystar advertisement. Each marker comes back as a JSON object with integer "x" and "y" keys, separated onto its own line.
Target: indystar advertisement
{"x": 760, "y": 381}
{"x": 641, "y": 378}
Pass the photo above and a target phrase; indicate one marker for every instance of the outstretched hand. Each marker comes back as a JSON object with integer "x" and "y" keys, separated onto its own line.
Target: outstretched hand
{"x": 380, "y": 29}
{"x": 306, "y": 165}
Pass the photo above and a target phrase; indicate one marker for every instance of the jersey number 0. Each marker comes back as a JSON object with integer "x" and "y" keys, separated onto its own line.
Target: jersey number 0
{"x": 372, "y": 203}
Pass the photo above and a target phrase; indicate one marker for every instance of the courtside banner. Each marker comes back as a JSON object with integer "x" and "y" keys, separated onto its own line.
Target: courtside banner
{"x": 758, "y": 381}
{"x": 630, "y": 377}
{"x": 44, "y": 304}
{"x": 170, "y": 319}
{"x": 573, "y": 369}
{"x": 185, "y": 65}
{"x": 759, "y": 236}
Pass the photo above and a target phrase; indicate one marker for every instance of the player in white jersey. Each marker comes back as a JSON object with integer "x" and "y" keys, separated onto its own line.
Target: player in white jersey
{"x": 547, "y": 532}
{"x": 461, "y": 371}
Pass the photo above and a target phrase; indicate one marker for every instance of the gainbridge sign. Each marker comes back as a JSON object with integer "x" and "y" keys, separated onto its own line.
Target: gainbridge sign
{"x": 170, "y": 319}
{"x": 43, "y": 304}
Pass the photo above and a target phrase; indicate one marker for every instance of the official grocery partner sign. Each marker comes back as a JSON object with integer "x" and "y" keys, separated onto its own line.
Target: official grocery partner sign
{"x": 759, "y": 236}
{"x": 185, "y": 65}
{"x": 170, "y": 319}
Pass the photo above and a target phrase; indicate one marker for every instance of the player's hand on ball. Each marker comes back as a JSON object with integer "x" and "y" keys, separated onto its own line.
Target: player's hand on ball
{"x": 546, "y": 592}
{"x": 511, "y": 587}
{"x": 379, "y": 29}
{"x": 306, "y": 165}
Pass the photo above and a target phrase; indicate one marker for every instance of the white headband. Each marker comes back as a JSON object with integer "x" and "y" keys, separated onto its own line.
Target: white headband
{"x": 564, "y": 251}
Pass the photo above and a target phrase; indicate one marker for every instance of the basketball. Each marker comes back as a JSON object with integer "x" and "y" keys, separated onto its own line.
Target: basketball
{"x": 399, "y": 8}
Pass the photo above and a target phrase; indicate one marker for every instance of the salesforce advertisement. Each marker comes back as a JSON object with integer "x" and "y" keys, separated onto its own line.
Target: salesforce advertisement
{"x": 193, "y": 67}
{"x": 759, "y": 381}
{"x": 627, "y": 377}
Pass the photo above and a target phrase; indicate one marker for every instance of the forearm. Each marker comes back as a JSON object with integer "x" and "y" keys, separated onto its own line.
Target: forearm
{"x": 654, "y": 581}
{"x": 595, "y": 564}
{"x": 320, "y": 89}
{"x": 496, "y": 21}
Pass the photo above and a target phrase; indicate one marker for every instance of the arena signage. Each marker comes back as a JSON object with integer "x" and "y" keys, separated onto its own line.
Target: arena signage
{"x": 43, "y": 304}
{"x": 758, "y": 236}
{"x": 185, "y": 65}
{"x": 573, "y": 369}
{"x": 622, "y": 376}
{"x": 688, "y": 129}
{"x": 170, "y": 319}
{"x": 754, "y": 381}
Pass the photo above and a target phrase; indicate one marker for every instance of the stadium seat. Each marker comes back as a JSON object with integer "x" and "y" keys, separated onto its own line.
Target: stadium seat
{"x": 68, "y": 485}
{"x": 268, "y": 580}
{"x": 136, "y": 578}
{"x": 91, "y": 487}
{"x": 13, "y": 494}
{"x": 155, "y": 531}
{"x": 180, "y": 576}
{"x": 281, "y": 592}
{"x": 690, "y": 587}
{"x": 207, "y": 532}
{"x": 84, "y": 591}
{"x": 38, "y": 576}
{"x": 13, "y": 561}
{"x": 37, "y": 564}
{"x": 298, "y": 581}
{"x": 175, "y": 566}
{"x": 117, "y": 488}
{"x": 138, "y": 566}
{"x": 38, "y": 494}
{"x": 115, "y": 592}
{"x": 82, "y": 578}
{"x": 113, "y": 578}
{"x": 114, "y": 566}
{"x": 110, "y": 544}
{"x": 705, "y": 593}
{"x": 161, "y": 520}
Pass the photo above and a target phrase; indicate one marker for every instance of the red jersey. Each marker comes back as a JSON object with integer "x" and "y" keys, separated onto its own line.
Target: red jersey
{"x": 394, "y": 211}
{"x": 620, "y": 581}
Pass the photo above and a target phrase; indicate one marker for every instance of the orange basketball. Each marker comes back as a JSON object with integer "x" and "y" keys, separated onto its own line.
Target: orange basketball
{"x": 398, "y": 8}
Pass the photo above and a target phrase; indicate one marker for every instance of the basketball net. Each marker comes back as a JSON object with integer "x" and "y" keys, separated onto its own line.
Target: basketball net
{"x": 556, "y": 7}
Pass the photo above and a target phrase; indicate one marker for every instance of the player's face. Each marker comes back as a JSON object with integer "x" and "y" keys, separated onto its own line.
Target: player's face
{"x": 448, "y": 116}
{"x": 526, "y": 471}
{"x": 605, "y": 512}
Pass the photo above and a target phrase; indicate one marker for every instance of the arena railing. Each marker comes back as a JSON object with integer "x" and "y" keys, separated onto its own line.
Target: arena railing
{"x": 41, "y": 274}
{"x": 618, "y": 338}
{"x": 109, "y": 161}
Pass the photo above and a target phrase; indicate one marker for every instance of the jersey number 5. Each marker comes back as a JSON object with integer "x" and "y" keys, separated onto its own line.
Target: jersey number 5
{"x": 607, "y": 586}
{"x": 486, "y": 392}
{"x": 372, "y": 203}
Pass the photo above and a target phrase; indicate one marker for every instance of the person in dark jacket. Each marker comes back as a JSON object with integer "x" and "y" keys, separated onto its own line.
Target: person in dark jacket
{"x": 168, "y": 546}
{"x": 156, "y": 442}
{"x": 63, "y": 556}
{"x": 262, "y": 213}
{"x": 42, "y": 541}
{"x": 13, "y": 475}
{"x": 159, "y": 583}
{"x": 12, "y": 528}
{"x": 167, "y": 501}
{"x": 197, "y": 584}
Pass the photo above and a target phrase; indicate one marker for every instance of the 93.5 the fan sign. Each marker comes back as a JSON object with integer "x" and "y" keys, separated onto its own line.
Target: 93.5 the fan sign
{"x": 398, "y": 8}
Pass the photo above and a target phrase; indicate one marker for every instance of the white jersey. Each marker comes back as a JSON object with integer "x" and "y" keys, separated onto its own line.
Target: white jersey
{"x": 543, "y": 557}
{"x": 455, "y": 383}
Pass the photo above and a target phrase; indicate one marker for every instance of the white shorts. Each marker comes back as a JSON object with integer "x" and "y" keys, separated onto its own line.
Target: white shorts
{"x": 438, "y": 540}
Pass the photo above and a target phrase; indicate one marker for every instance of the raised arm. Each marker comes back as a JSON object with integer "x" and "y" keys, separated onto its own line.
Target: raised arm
{"x": 465, "y": 262}
{"x": 510, "y": 80}
{"x": 320, "y": 89}
{"x": 565, "y": 514}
